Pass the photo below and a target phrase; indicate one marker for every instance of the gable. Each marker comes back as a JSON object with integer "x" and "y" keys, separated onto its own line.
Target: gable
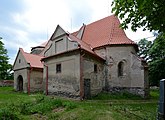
{"x": 57, "y": 33}
{"x": 62, "y": 44}
{"x": 20, "y": 61}
{"x": 59, "y": 42}
{"x": 80, "y": 32}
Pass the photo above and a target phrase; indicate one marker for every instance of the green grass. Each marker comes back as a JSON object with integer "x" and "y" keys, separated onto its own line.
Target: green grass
{"x": 154, "y": 93}
{"x": 113, "y": 96}
{"x": 120, "y": 106}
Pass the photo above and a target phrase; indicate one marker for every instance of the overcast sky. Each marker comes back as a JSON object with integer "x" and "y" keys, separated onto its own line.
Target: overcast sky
{"x": 27, "y": 23}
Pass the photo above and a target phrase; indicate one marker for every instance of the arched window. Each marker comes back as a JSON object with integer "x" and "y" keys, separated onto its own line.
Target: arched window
{"x": 120, "y": 69}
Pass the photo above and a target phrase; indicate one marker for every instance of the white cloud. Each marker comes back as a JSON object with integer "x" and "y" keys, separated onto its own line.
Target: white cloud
{"x": 100, "y": 8}
{"x": 46, "y": 14}
{"x": 42, "y": 16}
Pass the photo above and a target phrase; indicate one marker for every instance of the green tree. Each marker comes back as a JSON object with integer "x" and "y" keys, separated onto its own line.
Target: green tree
{"x": 157, "y": 57}
{"x": 144, "y": 47}
{"x": 154, "y": 53}
{"x": 149, "y": 14}
{"x": 5, "y": 67}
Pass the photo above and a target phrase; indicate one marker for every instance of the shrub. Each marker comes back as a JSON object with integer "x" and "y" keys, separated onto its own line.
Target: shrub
{"x": 39, "y": 98}
{"x": 42, "y": 105}
{"x": 6, "y": 114}
{"x": 57, "y": 102}
{"x": 25, "y": 108}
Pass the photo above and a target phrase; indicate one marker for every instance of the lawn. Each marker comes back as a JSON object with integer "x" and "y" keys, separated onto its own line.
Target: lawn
{"x": 20, "y": 106}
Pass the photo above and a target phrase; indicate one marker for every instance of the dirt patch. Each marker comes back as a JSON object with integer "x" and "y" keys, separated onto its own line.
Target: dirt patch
{"x": 59, "y": 109}
{"x": 39, "y": 117}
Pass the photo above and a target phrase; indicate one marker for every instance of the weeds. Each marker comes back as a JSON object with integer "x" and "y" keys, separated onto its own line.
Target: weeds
{"x": 114, "y": 106}
{"x": 41, "y": 105}
{"x": 7, "y": 114}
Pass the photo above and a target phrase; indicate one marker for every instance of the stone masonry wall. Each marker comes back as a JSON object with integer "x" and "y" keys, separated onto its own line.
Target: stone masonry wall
{"x": 67, "y": 82}
{"x": 6, "y": 83}
{"x": 97, "y": 78}
{"x": 36, "y": 81}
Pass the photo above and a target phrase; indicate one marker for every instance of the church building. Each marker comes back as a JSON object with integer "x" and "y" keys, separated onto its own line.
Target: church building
{"x": 97, "y": 57}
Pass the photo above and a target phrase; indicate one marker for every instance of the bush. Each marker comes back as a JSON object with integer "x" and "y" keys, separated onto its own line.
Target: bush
{"x": 42, "y": 105}
{"x": 25, "y": 108}
{"x": 39, "y": 98}
{"x": 6, "y": 114}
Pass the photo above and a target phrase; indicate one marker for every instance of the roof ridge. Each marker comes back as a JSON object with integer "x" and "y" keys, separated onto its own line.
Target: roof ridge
{"x": 33, "y": 54}
{"x": 111, "y": 31}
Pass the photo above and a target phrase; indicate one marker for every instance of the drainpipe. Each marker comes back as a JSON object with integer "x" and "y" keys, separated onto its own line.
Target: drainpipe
{"x": 46, "y": 79}
{"x": 29, "y": 73}
{"x": 81, "y": 76}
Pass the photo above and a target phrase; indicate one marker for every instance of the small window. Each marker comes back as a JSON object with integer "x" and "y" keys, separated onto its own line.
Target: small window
{"x": 120, "y": 69}
{"x": 95, "y": 68}
{"x": 19, "y": 60}
{"x": 58, "y": 68}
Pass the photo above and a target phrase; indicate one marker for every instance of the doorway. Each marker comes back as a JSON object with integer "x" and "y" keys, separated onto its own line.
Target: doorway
{"x": 87, "y": 88}
{"x": 20, "y": 83}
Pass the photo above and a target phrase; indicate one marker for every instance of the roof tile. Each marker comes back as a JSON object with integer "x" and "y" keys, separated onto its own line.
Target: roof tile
{"x": 34, "y": 60}
{"x": 105, "y": 32}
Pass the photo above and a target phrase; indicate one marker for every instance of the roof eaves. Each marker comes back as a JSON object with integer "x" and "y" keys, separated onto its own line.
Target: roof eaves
{"x": 111, "y": 44}
{"x": 95, "y": 55}
{"x": 42, "y": 59}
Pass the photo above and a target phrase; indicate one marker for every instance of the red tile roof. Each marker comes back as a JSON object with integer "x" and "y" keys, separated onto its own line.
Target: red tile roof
{"x": 82, "y": 44}
{"x": 99, "y": 33}
{"x": 105, "y": 32}
{"x": 34, "y": 60}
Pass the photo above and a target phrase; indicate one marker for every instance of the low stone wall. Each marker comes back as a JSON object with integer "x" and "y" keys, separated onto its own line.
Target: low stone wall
{"x": 6, "y": 83}
{"x": 64, "y": 94}
{"x": 132, "y": 90}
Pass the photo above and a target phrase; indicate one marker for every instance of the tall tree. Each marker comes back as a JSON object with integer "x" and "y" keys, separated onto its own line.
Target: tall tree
{"x": 154, "y": 52}
{"x": 149, "y": 14}
{"x": 144, "y": 47}
{"x": 157, "y": 63}
{"x": 5, "y": 67}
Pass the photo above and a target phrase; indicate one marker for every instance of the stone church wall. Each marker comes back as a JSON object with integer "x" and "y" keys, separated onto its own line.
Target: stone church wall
{"x": 67, "y": 82}
{"x": 93, "y": 70}
{"x": 132, "y": 75}
{"x": 36, "y": 81}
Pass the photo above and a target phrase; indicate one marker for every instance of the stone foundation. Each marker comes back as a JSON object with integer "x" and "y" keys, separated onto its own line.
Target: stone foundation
{"x": 64, "y": 94}
{"x": 132, "y": 90}
{"x": 7, "y": 83}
